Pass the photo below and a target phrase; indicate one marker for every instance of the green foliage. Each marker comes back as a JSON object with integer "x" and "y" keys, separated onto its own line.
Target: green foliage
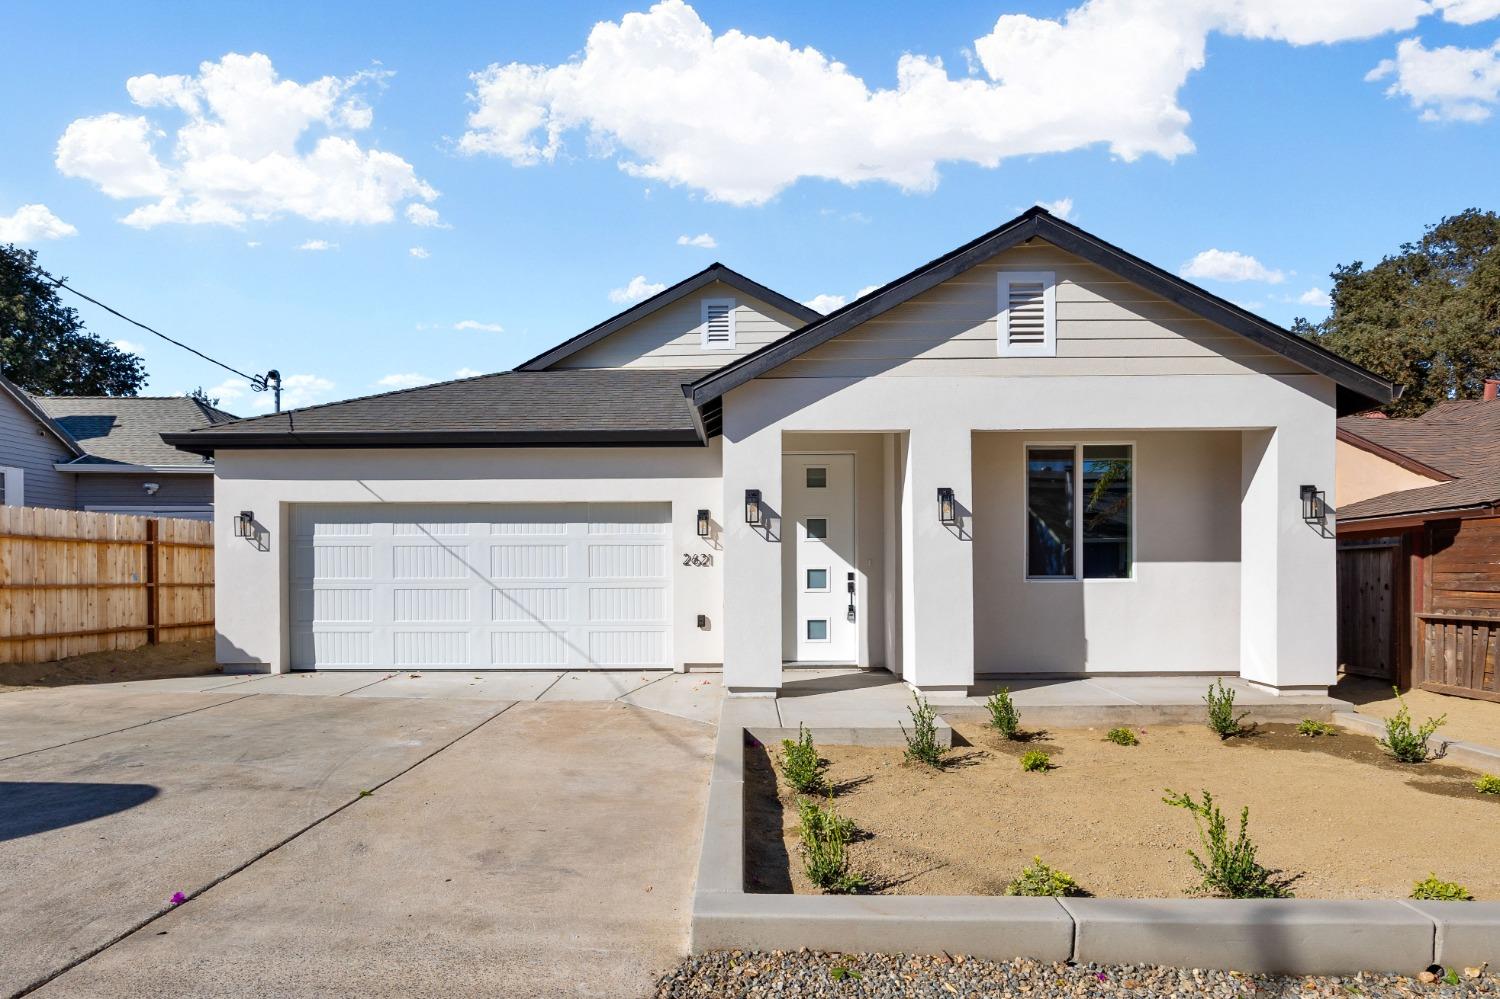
{"x": 839, "y": 972}
{"x": 1123, "y": 737}
{"x": 1425, "y": 318}
{"x": 1433, "y": 890}
{"x": 1488, "y": 784}
{"x": 825, "y": 841}
{"x": 1034, "y": 759}
{"x": 1221, "y": 716}
{"x": 800, "y": 764}
{"x": 44, "y": 347}
{"x": 922, "y": 744}
{"x": 1040, "y": 880}
{"x": 1402, "y": 741}
{"x": 1314, "y": 728}
{"x": 1231, "y": 870}
{"x": 1004, "y": 718}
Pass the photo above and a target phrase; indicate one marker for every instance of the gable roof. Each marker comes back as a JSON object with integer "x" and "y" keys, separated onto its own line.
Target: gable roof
{"x": 570, "y": 407}
{"x": 713, "y": 272}
{"x": 126, "y": 430}
{"x": 1459, "y": 439}
{"x": 1358, "y": 389}
{"x": 27, "y": 403}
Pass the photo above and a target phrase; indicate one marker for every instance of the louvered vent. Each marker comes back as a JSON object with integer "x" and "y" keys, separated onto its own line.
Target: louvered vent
{"x": 718, "y": 324}
{"x": 1027, "y": 314}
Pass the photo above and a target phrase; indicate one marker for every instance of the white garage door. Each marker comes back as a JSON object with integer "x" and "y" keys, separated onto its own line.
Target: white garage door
{"x": 505, "y": 586}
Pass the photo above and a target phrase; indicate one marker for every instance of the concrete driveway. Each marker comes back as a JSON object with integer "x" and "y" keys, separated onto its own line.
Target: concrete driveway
{"x": 534, "y": 847}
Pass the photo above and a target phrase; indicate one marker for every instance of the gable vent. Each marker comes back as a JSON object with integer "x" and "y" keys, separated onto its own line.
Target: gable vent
{"x": 1028, "y": 322}
{"x": 718, "y": 324}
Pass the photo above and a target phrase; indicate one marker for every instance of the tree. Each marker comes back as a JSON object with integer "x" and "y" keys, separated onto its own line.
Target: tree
{"x": 1427, "y": 318}
{"x": 201, "y": 394}
{"x": 44, "y": 347}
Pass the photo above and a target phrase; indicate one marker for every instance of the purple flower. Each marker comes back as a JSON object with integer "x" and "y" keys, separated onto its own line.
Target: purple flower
{"x": 177, "y": 898}
{"x": 1101, "y": 976}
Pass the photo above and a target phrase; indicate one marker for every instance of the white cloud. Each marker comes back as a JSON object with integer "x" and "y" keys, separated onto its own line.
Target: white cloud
{"x": 1062, "y": 207}
{"x": 1316, "y": 297}
{"x": 253, "y": 243}
{"x": 825, "y": 303}
{"x": 252, "y": 147}
{"x": 409, "y": 379}
{"x": 1468, "y": 11}
{"x": 31, "y": 223}
{"x": 638, "y": 288}
{"x": 1446, "y": 83}
{"x": 296, "y": 391}
{"x": 420, "y": 252}
{"x": 703, "y": 241}
{"x": 317, "y": 245}
{"x": 129, "y": 346}
{"x": 1230, "y": 265}
{"x": 474, "y": 324}
{"x": 467, "y": 373}
{"x": 425, "y": 215}
{"x": 670, "y": 101}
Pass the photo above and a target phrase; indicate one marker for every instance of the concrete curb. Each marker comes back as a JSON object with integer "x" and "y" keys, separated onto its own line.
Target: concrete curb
{"x": 1465, "y": 754}
{"x": 1287, "y": 936}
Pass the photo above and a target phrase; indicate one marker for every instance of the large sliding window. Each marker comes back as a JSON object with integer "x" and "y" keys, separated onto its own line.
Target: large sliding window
{"x": 1079, "y": 498}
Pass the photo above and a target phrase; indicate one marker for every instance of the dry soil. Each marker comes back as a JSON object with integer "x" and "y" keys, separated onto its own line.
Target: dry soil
{"x": 148, "y": 662}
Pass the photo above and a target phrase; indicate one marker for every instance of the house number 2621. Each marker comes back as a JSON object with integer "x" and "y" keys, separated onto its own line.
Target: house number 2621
{"x": 699, "y": 560}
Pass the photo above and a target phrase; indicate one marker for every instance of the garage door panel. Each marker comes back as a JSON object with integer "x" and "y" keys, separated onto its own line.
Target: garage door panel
{"x": 619, "y": 561}
{"x": 540, "y": 604}
{"x": 425, "y": 605}
{"x": 627, "y": 603}
{"x": 338, "y": 605}
{"x": 608, "y": 647}
{"x": 529, "y": 561}
{"x": 517, "y": 649}
{"x": 349, "y": 649}
{"x": 430, "y": 648}
{"x": 342, "y": 562}
{"x": 430, "y": 562}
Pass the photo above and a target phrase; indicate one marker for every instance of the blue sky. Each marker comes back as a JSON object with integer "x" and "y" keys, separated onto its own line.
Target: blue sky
{"x": 821, "y": 147}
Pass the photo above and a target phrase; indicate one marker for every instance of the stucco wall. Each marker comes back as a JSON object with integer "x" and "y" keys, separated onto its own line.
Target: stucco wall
{"x": 27, "y": 445}
{"x": 1362, "y": 475}
{"x": 1180, "y": 611}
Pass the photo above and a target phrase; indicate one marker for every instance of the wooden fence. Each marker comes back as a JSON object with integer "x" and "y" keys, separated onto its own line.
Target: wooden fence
{"x": 73, "y": 582}
{"x": 1459, "y": 636}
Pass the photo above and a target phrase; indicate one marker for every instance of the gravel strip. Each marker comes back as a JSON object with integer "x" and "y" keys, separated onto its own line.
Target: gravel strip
{"x": 867, "y": 976}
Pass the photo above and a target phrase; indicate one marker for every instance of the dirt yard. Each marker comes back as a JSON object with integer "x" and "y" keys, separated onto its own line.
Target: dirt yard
{"x": 1469, "y": 719}
{"x": 1355, "y": 823}
{"x": 148, "y": 662}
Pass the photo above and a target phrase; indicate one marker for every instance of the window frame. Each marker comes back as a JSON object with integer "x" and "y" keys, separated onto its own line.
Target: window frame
{"x": 1077, "y": 446}
{"x": 807, "y": 534}
{"x": 703, "y": 307}
{"x": 14, "y": 491}
{"x": 827, "y": 623}
{"x": 1048, "y": 346}
{"x": 827, "y": 586}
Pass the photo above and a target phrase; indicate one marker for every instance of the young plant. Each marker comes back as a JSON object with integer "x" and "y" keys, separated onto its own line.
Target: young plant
{"x": 1488, "y": 784}
{"x": 1433, "y": 890}
{"x": 1040, "y": 880}
{"x": 1004, "y": 718}
{"x": 1123, "y": 737}
{"x": 799, "y": 762}
{"x": 1406, "y": 744}
{"x": 1034, "y": 760}
{"x": 825, "y": 841}
{"x": 1230, "y": 870}
{"x": 1313, "y": 728}
{"x": 1221, "y": 716}
{"x": 922, "y": 745}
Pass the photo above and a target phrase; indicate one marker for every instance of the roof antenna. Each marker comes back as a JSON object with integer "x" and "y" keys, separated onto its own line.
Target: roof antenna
{"x": 271, "y": 381}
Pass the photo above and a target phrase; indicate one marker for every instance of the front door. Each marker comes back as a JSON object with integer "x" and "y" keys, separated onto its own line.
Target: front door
{"x": 820, "y": 599}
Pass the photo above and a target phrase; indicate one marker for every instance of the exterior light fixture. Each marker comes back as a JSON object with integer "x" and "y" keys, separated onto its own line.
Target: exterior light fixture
{"x": 752, "y": 507}
{"x": 947, "y": 507}
{"x": 702, "y": 523}
{"x": 244, "y": 524}
{"x": 1314, "y": 506}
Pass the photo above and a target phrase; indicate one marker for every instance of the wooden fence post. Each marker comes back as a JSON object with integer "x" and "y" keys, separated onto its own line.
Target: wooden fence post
{"x": 153, "y": 591}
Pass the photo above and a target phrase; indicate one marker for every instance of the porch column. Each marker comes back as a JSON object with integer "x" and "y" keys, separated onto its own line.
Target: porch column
{"x": 937, "y": 565}
{"x": 752, "y": 566}
{"x": 1288, "y": 606}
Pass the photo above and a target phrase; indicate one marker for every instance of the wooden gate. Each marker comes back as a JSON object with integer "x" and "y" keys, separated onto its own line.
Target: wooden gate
{"x": 1368, "y": 593}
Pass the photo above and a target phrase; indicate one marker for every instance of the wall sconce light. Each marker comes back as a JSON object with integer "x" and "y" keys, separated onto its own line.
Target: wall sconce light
{"x": 752, "y": 507}
{"x": 702, "y": 523}
{"x": 151, "y": 487}
{"x": 947, "y": 507}
{"x": 244, "y": 524}
{"x": 1314, "y": 506}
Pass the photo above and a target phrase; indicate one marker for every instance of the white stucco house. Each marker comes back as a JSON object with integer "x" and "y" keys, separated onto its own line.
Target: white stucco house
{"x": 1036, "y": 454}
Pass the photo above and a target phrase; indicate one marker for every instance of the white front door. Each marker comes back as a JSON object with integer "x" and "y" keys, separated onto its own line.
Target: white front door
{"x": 819, "y": 525}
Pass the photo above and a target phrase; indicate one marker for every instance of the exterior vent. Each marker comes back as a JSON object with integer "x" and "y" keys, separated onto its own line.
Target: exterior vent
{"x": 1028, "y": 318}
{"x": 718, "y": 324}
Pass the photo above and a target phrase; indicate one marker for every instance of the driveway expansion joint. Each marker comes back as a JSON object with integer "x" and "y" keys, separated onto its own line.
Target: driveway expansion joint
{"x": 127, "y": 728}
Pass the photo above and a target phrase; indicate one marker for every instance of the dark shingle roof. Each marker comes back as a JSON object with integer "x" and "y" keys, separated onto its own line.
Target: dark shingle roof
{"x": 512, "y": 408}
{"x": 1460, "y": 439}
{"x": 126, "y": 430}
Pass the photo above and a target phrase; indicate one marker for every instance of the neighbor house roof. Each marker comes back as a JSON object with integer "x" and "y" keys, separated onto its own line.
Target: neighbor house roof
{"x": 713, "y": 272}
{"x": 1459, "y": 440}
{"x": 585, "y": 406}
{"x": 1358, "y": 389}
{"x": 26, "y": 402}
{"x": 115, "y": 431}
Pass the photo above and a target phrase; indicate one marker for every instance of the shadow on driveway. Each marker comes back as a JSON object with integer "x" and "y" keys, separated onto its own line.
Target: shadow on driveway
{"x": 31, "y": 807}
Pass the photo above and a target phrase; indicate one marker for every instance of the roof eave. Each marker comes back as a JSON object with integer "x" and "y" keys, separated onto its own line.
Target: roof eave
{"x": 26, "y": 402}
{"x": 206, "y": 443}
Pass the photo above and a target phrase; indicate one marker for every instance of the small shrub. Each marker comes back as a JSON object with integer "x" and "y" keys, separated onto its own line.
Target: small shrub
{"x": 922, "y": 744}
{"x": 1404, "y": 743}
{"x": 825, "y": 841}
{"x": 1004, "y": 718}
{"x": 1034, "y": 759}
{"x": 1231, "y": 870}
{"x": 1123, "y": 737}
{"x": 1313, "y": 728}
{"x": 1040, "y": 880}
{"x": 1433, "y": 890}
{"x": 1221, "y": 716}
{"x": 1488, "y": 784}
{"x": 799, "y": 762}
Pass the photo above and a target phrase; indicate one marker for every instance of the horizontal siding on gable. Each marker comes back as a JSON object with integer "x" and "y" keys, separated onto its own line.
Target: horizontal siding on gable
{"x": 27, "y": 445}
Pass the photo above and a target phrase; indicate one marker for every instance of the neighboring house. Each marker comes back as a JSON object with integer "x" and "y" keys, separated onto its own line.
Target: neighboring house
{"x": 104, "y": 453}
{"x": 1036, "y": 454}
{"x": 1419, "y": 546}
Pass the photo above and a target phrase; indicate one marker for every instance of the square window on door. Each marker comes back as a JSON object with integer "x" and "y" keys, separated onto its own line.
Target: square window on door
{"x": 817, "y": 579}
{"x": 817, "y": 630}
{"x": 817, "y": 477}
{"x": 817, "y": 528}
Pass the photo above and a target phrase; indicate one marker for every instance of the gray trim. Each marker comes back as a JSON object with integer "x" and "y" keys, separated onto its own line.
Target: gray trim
{"x": 1359, "y": 389}
{"x": 205, "y": 443}
{"x": 713, "y": 272}
{"x": 91, "y": 467}
{"x": 29, "y": 404}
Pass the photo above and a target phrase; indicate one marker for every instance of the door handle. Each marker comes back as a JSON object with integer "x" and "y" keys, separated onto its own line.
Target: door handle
{"x": 851, "y": 596}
